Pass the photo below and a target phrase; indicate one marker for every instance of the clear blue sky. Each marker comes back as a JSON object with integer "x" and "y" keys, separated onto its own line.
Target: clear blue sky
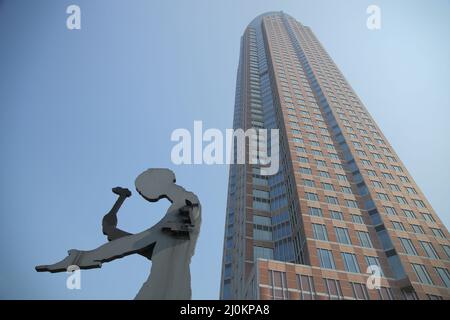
{"x": 83, "y": 111}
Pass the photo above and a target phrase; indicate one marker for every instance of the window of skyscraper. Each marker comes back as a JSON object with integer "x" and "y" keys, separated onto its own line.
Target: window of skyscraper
{"x": 342, "y": 235}
{"x": 444, "y": 275}
{"x": 422, "y": 273}
{"x": 350, "y": 262}
{"x": 263, "y": 253}
{"x": 373, "y": 261}
{"x": 356, "y": 218}
{"x": 429, "y": 249}
{"x": 337, "y": 215}
{"x": 359, "y": 291}
{"x": 408, "y": 246}
{"x": 306, "y": 287}
{"x": 315, "y": 211}
{"x": 438, "y": 233}
{"x": 333, "y": 289}
{"x": 364, "y": 239}
{"x": 332, "y": 200}
{"x": 320, "y": 232}
{"x": 326, "y": 258}
{"x": 398, "y": 226}
{"x": 417, "y": 229}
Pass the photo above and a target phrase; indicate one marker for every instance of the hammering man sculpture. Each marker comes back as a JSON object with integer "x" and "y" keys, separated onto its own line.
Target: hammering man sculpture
{"x": 169, "y": 244}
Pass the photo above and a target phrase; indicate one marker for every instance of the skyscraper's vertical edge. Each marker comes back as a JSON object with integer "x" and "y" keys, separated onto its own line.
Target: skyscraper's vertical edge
{"x": 341, "y": 201}
{"x": 228, "y": 257}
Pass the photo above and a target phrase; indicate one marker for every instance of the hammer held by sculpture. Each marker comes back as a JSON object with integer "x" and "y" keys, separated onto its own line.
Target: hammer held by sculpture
{"x": 169, "y": 244}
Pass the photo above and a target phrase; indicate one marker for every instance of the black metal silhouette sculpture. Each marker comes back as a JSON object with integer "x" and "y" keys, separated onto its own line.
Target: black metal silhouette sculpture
{"x": 169, "y": 244}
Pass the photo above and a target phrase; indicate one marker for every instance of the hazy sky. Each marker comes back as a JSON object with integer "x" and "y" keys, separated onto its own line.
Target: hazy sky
{"x": 83, "y": 111}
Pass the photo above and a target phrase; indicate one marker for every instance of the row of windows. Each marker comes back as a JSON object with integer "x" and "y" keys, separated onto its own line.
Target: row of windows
{"x": 393, "y": 187}
{"x": 409, "y": 214}
{"x": 324, "y": 174}
{"x": 342, "y": 235}
{"x": 387, "y": 176}
{"x": 307, "y": 288}
{"x": 424, "y": 277}
{"x": 314, "y": 143}
{"x": 336, "y": 215}
{"x": 380, "y": 165}
{"x": 321, "y": 163}
{"x": 326, "y": 260}
{"x": 427, "y": 247}
{"x": 308, "y": 126}
{"x": 401, "y": 200}
{"x": 311, "y": 196}
{"x": 397, "y": 225}
{"x": 318, "y": 153}
{"x": 417, "y": 228}
{"x": 326, "y": 186}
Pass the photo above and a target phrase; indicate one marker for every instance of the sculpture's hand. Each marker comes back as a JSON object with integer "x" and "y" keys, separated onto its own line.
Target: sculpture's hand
{"x": 62, "y": 265}
{"x": 75, "y": 257}
{"x": 124, "y": 192}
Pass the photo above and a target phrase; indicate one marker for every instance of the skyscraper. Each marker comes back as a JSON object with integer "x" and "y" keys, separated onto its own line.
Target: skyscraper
{"x": 341, "y": 201}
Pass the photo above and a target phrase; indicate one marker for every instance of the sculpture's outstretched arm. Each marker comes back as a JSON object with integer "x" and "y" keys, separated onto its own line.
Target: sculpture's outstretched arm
{"x": 141, "y": 243}
{"x": 115, "y": 249}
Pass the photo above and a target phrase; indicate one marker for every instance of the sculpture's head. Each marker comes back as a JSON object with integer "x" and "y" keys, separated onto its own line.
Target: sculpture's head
{"x": 155, "y": 184}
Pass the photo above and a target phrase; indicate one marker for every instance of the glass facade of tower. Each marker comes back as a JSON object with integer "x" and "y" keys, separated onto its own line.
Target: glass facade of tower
{"x": 341, "y": 201}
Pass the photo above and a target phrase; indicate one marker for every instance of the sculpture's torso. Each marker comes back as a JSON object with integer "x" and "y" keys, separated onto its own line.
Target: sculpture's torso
{"x": 170, "y": 276}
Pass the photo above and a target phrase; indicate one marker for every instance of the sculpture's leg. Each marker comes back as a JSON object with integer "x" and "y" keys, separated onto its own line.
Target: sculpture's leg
{"x": 170, "y": 276}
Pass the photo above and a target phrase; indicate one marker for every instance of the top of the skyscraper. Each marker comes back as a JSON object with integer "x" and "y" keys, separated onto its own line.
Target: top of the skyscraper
{"x": 256, "y": 21}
